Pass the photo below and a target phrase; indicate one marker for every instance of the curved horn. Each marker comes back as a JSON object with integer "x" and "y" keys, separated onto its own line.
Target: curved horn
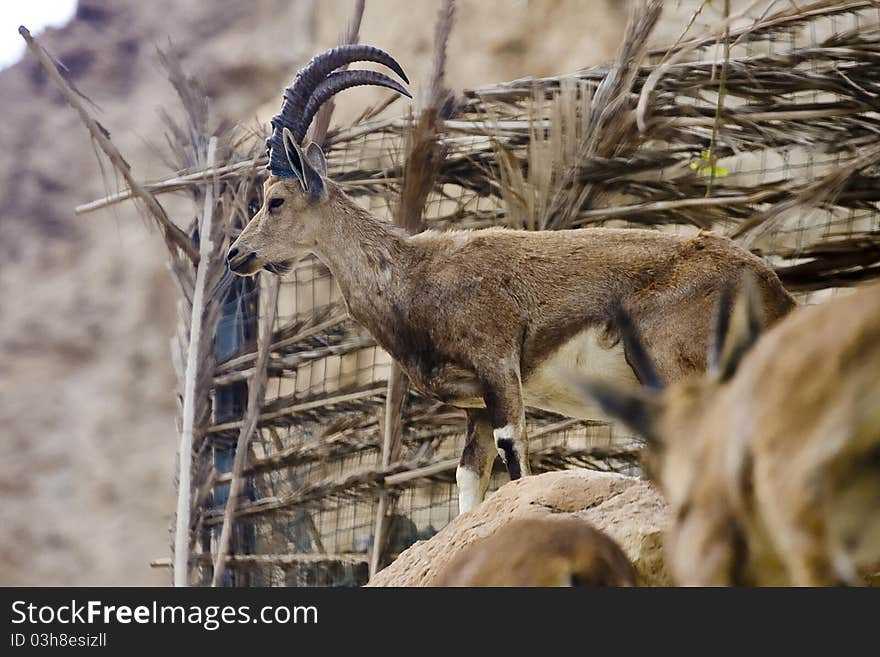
{"x": 320, "y": 65}
{"x": 297, "y": 95}
{"x": 342, "y": 80}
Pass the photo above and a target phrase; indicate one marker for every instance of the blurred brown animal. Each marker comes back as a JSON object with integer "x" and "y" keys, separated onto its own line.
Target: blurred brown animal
{"x": 488, "y": 320}
{"x": 541, "y": 552}
{"x": 771, "y": 462}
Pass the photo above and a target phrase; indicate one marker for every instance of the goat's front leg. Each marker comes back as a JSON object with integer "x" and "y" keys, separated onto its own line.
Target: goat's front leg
{"x": 475, "y": 467}
{"x": 502, "y": 392}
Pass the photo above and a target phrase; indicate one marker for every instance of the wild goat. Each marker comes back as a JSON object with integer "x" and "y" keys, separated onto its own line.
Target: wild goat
{"x": 771, "y": 462}
{"x": 541, "y": 552}
{"x": 487, "y": 320}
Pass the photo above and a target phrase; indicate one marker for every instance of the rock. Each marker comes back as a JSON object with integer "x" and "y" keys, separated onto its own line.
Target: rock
{"x": 629, "y": 510}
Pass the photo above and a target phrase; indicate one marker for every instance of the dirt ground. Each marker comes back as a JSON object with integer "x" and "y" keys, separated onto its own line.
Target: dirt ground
{"x": 87, "y": 403}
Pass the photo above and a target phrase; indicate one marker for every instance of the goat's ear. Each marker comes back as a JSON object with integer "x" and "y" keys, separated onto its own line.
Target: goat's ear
{"x": 737, "y": 328}
{"x": 311, "y": 181}
{"x": 294, "y": 155}
{"x": 639, "y": 409}
{"x": 316, "y": 158}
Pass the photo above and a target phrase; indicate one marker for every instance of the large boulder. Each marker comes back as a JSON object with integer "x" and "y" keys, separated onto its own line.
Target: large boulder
{"x": 629, "y": 510}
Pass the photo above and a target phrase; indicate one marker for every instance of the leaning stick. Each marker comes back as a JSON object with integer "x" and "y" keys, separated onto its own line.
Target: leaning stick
{"x": 256, "y": 389}
{"x": 173, "y": 234}
{"x": 173, "y": 184}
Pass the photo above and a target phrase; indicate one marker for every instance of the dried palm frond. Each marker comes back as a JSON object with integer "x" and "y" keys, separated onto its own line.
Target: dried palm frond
{"x": 834, "y": 262}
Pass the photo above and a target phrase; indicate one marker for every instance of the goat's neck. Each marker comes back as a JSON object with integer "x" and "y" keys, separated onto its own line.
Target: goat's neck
{"x": 366, "y": 256}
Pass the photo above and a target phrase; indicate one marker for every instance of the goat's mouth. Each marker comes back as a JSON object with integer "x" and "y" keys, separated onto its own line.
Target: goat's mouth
{"x": 244, "y": 265}
{"x": 281, "y": 267}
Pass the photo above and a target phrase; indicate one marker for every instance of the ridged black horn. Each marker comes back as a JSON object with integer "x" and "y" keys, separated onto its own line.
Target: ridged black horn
{"x": 297, "y": 97}
{"x": 321, "y": 65}
{"x": 342, "y": 80}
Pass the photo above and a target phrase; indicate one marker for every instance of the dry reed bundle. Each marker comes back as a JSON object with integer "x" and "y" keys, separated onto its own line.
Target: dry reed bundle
{"x": 196, "y": 142}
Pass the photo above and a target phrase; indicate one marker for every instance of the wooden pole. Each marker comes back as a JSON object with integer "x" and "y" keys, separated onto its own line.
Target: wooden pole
{"x": 424, "y": 155}
{"x": 184, "y": 450}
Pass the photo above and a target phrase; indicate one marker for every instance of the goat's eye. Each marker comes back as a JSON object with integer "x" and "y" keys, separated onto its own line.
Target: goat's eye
{"x": 276, "y": 203}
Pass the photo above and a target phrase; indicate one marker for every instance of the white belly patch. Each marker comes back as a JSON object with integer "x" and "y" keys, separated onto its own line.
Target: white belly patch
{"x": 584, "y": 355}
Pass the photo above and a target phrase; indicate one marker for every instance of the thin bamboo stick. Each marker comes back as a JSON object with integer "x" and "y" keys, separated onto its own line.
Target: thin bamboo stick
{"x": 419, "y": 473}
{"x": 659, "y": 206}
{"x": 172, "y": 184}
{"x": 398, "y": 387}
{"x": 185, "y": 447}
{"x": 292, "y": 361}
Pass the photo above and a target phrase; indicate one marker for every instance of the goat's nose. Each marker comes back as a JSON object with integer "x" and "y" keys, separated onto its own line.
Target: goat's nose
{"x": 231, "y": 254}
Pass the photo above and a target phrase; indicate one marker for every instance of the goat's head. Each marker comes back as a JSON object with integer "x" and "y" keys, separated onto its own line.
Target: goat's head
{"x": 680, "y": 422}
{"x": 296, "y": 193}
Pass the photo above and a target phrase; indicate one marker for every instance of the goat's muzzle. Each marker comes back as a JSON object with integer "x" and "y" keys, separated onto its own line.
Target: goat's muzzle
{"x": 241, "y": 263}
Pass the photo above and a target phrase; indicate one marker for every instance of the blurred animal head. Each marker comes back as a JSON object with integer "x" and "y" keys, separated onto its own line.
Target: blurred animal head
{"x": 544, "y": 551}
{"x": 664, "y": 415}
{"x": 678, "y": 423}
{"x": 297, "y": 194}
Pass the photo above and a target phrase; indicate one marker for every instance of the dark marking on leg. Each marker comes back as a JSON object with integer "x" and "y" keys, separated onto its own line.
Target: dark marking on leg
{"x": 502, "y": 393}
{"x": 511, "y": 458}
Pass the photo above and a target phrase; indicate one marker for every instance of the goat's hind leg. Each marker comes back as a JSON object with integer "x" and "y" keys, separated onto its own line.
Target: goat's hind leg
{"x": 502, "y": 392}
{"x": 475, "y": 467}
